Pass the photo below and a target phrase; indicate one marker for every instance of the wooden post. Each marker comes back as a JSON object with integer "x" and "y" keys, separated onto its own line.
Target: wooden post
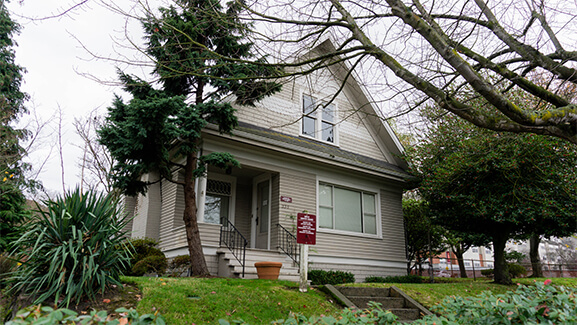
{"x": 304, "y": 268}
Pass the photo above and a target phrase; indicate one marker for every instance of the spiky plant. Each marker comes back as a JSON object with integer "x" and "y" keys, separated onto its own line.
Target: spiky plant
{"x": 74, "y": 249}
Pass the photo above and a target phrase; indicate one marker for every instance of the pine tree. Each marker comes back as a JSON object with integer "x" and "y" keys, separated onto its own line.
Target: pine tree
{"x": 200, "y": 56}
{"x": 12, "y": 181}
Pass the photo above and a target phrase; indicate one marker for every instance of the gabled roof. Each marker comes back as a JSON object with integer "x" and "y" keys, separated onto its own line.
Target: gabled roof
{"x": 340, "y": 70}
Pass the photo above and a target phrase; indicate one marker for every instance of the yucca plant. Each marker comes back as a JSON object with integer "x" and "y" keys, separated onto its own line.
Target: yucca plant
{"x": 74, "y": 249}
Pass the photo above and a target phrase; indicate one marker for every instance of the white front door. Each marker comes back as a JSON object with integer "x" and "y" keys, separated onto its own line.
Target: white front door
{"x": 262, "y": 214}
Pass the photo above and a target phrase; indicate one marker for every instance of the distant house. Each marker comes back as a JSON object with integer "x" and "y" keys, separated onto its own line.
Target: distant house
{"x": 300, "y": 150}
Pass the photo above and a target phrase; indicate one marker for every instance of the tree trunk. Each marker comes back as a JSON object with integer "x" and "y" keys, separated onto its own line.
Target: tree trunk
{"x": 536, "y": 265}
{"x": 197, "y": 261}
{"x": 459, "y": 254}
{"x": 501, "y": 270}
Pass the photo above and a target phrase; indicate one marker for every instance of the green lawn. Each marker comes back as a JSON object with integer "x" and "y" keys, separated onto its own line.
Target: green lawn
{"x": 205, "y": 301}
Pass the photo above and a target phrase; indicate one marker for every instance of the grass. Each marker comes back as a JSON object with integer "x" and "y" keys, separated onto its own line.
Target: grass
{"x": 205, "y": 301}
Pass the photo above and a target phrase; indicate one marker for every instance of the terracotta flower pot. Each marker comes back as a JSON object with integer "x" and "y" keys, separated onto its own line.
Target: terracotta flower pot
{"x": 268, "y": 270}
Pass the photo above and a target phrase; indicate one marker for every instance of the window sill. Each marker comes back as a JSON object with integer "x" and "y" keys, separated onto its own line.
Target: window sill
{"x": 308, "y": 137}
{"x": 348, "y": 233}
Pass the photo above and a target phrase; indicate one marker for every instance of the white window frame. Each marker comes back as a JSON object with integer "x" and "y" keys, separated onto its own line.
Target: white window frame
{"x": 231, "y": 204}
{"x": 317, "y": 115}
{"x": 357, "y": 188}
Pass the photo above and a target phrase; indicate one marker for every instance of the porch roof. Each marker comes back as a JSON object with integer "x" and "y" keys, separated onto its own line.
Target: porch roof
{"x": 319, "y": 149}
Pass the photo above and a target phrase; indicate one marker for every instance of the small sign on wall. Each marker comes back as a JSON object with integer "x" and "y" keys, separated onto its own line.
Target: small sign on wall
{"x": 306, "y": 229}
{"x": 286, "y": 199}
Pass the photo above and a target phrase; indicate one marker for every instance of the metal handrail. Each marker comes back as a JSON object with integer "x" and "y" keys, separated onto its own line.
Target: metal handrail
{"x": 234, "y": 240}
{"x": 287, "y": 242}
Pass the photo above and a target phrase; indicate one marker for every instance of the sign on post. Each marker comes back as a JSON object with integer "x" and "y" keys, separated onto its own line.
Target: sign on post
{"x": 306, "y": 235}
{"x": 306, "y": 229}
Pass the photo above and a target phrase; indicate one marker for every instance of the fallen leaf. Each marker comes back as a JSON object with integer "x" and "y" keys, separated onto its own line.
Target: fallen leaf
{"x": 106, "y": 301}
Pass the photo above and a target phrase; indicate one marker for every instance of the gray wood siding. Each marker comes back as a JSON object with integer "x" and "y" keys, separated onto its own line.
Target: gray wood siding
{"x": 243, "y": 207}
{"x": 301, "y": 187}
{"x": 167, "y": 212}
{"x": 282, "y": 112}
{"x": 209, "y": 236}
{"x": 392, "y": 223}
{"x": 275, "y": 209}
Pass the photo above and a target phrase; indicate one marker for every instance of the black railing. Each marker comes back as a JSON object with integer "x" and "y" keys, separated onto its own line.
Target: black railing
{"x": 235, "y": 241}
{"x": 287, "y": 242}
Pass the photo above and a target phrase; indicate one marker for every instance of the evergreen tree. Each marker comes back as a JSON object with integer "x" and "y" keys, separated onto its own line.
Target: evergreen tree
{"x": 12, "y": 181}
{"x": 498, "y": 184}
{"x": 200, "y": 56}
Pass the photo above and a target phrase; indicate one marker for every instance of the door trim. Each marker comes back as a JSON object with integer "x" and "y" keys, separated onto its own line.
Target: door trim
{"x": 254, "y": 229}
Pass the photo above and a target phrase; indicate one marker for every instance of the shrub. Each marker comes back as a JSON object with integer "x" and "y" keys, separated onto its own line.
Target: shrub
{"x": 517, "y": 270}
{"x": 539, "y": 304}
{"x": 319, "y": 277}
{"x": 395, "y": 279}
{"x": 179, "y": 264}
{"x": 46, "y": 315}
{"x": 150, "y": 264}
{"x": 488, "y": 273}
{"x": 146, "y": 258}
{"x": 7, "y": 265}
{"x": 75, "y": 248}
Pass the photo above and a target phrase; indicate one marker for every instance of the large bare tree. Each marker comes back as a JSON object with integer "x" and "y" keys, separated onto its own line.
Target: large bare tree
{"x": 443, "y": 49}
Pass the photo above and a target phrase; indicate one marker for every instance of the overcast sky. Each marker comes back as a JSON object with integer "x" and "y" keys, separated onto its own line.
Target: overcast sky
{"x": 51, "y": 50}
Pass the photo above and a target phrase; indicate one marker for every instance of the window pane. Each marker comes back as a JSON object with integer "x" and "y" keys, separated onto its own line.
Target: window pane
{"x": 325, "y": 195}
{"x": 308, "y": 104}
{"x": 347, "y": 210}
{"x": 328, "y": 130}
{"x": 370, "y": 224}
{"x": 369, "y": 201}
{"x": 326, "y": 218}
{"x": 329, "y": 113}
{"x": 309, "y": 126}
{"x": 215, "y": 208}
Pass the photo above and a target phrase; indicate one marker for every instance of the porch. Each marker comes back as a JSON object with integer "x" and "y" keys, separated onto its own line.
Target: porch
{"x": 245, "y": 204}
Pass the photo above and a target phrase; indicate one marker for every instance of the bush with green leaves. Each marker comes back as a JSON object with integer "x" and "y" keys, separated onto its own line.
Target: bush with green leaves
{"x": 542, "y": 303}
{"x": 394, "y": 279}
{"x": 179, "y": 265}
{"x": 46, "y": 315}
{"x": 74, "y": 249}
{"x": 146, "y": 258}
{"x": 517, "y": 270}
{"x": 487, "y": 272}
{"x": 319, "y": 277}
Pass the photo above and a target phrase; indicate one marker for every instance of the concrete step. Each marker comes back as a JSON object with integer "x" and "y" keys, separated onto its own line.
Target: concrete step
{"x": 405, "y": 314}
{"x": 289, "y": 270}
{"x": 386, "y": 302}
{"x": 395, "y": 301}
{"x": 365, "y": 291}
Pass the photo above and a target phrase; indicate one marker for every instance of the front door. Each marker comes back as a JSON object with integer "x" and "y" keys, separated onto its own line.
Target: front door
{"x": 262, "y": 221}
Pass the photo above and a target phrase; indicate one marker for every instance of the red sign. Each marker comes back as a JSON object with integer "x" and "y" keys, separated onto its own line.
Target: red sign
{"x": 306, "y": 229}
{"x": 286, "y": 199}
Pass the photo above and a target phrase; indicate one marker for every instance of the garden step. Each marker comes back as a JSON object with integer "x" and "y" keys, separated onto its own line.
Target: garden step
{"x": 365, "y": 291}
{"x": 231, "y": 267}
{"x": 386, "y": 302}
{"x": 391, "y": 299}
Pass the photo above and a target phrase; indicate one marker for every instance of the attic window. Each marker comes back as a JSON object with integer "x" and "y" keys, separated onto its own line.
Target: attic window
{"x": 318, "y": 119}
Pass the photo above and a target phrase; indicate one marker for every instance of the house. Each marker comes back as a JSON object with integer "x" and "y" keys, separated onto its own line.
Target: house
{"x": 300, "y": 150}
